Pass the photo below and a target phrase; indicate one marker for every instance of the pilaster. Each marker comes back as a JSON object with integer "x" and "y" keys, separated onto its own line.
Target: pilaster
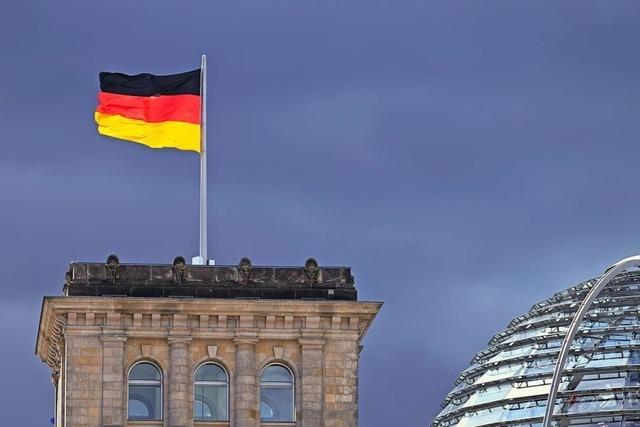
{"x": 179, "y": 388}
{"x": 246, "y": 390}
{"x": 311, "y": 347}
{"x": 113, "y": 406}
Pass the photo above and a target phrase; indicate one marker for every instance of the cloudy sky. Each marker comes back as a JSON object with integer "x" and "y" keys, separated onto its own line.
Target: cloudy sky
{"x": 467, "y": 159}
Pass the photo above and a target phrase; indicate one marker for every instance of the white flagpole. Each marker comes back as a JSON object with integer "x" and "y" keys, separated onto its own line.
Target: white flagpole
{"x": 203, "y": 161}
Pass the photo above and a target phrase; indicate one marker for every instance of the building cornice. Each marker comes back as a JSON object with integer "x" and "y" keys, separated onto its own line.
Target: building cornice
{"x": 60, "y": 316}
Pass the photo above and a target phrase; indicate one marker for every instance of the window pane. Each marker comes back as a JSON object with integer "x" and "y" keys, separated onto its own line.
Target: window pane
{"x": 276, "y": 403}
{"x": 276, "y": 373}
{"x": 145, "y": 402}
{"x": 210, "y": 403}
{"x": 144, "y": 371}
{"x": 266, "y": 413}
{"x": 210, "y": 372}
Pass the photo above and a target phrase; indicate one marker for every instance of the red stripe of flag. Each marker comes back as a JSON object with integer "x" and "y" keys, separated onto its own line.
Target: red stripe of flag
{"x": 152, "y": 109}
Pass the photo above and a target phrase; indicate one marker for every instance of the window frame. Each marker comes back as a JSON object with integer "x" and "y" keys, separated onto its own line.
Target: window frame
{"x": 214, "y": 383}
{"x": 291, "y": 385}
{"x": 146, "y": 382}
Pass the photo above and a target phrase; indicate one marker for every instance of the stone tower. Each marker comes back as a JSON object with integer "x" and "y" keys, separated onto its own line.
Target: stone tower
{"x": 181, "y": 345}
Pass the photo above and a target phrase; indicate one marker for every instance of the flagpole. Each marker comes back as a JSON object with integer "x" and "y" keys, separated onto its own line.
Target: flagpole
{"x": 203, "y": 161}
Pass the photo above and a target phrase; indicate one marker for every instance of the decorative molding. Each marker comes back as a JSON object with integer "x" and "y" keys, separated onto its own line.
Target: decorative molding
{"x": 246, "y": 337}
{"x": 203, "y": 321}
{"x": 278, "y": 352}
{"x": 222, "y": 321}
{"x": 145, "y": 350}
{"x": 56, "y": 344}
{"x": 270, "y": 322}
{"x": 335, "y": 322}
{"x": 212, "y": 350}
{"x": 137, "y": 320}
{"x": 288, "y": 322}
{"x": 312, "y": 322}
{"x": 182, "y": 340}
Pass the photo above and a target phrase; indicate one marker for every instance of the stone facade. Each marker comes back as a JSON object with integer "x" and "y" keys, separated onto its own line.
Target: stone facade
{"x": 91, "y": 342}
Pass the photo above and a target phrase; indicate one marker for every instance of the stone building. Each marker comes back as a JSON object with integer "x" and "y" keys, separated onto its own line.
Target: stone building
{"x": 182, "y": 345}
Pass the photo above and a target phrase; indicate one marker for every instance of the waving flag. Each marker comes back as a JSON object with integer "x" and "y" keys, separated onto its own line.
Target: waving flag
{"x": 157, "y": 111}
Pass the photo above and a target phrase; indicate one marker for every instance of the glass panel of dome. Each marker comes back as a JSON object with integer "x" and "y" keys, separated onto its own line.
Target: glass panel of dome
{"x": 523, "y": 410}
{"x": 618, "y": 339}
{"x": 540, "y": 366}
{"x": 490, "y": 394}
{"x": 596, "y": 381}
{"x": 591, "y": 325}
{"x": 595, "y": 403}
{"x": 520, "y": 392}
{"x": 543, "y": 317}
{"x": 519, "y": 336}
{"x": 479, "y": 418}
{"x": 583, "y": 360}
{"x": 608, "y": 421}
{"x": 607, "y": 363}
{"x": 551, "y": 345}
{"x": 511, "y": 353}
{"x": 448, "y": 409}
{"x": 632, "y": 400}
{"x": 459, "y": 388}
{"x": 505, "y": 371}
{"x": 633, "y": 379}
{"x": 630, "y": 320}
{"x": 586, "y": 342}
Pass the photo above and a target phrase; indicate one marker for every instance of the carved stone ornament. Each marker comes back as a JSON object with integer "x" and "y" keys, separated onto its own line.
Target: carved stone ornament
{"x": 179, "y": 268}
{"x": 311, "y": 271}
{"x": 56, "y": 344}
{"x": 245, "y": 270}
{"x": 113, "y": 268}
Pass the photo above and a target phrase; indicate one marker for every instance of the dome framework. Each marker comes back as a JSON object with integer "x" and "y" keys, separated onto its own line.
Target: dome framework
{"x": 508, "y": 383}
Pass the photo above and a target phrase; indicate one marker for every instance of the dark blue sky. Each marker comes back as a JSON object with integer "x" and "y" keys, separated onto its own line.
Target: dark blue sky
{"x": 466, "y": 158}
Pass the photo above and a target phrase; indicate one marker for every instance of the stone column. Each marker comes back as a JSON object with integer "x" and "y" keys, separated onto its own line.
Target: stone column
{"x": 179, "y": 389}
{"x": 247, "y": 412}
{"x": 113, "y": 381}
{"x": 312, "y": 381}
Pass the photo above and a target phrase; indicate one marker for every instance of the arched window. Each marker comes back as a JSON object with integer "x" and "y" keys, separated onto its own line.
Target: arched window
{"x": 145, "y": 392}
{"x": 277, "y": 394}
{"x": 211, "y": 398}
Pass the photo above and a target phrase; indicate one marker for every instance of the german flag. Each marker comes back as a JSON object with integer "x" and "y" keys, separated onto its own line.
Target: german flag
{"x": 157, "y": 111}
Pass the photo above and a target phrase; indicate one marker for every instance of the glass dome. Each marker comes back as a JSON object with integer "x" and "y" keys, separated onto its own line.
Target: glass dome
{"x": 508, "y": 383}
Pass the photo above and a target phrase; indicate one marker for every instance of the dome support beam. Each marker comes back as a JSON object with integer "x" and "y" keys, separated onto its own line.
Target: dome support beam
{"x": 609, "y": 274}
